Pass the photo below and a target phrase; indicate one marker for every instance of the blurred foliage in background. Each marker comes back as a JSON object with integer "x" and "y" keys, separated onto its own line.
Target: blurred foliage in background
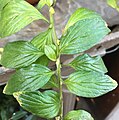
{"x": 10, "y": 109}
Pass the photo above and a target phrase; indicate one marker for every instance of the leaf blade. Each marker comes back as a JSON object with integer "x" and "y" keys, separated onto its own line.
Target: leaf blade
{"x": 44, "y": 104}
{"x": 19, "y": 54}
{"x": 88, "y": 63}
{"x": 90, "y": 84}
{"x": 3, "y": 3}
{"x": 50, "y": 52}
{"x": 80, "y": 14}
{"x": 113, "y": 3}
{"x": 78, "y": 115}
{"x": 16, "y": 15}
{"x": 44, "y": 38}
{"x": 83, "y": 35}
{"x": 28, "y": 79}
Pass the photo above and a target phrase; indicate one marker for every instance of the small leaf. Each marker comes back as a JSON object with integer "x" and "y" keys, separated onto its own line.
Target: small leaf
{"x": 90, "y": 84}
{"x": 28, "y": 79}
{"x": 50, "y": 52}
{"x": 16, "y": 15}
{"x": 45, "y": 2}
{"x": 18, "y": 115}
{"x": 81, "y": 14}
{"x": 78, "y": 115}
{"x": 88, "y": 63}
{"x": 44, "y": 38}
{"x": 52, "y": 83}
{"x": 43, "y": 60}
{"x": 19, "y": 54}
{"x": 44, "y": 104}
{"x": 83, "y": 35}
{"x": 113, "y": 3}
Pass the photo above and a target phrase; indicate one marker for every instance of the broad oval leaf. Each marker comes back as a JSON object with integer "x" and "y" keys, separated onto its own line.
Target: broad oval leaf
{"x": 28, "y": 79}
{"x": 44, "y": 38}
{"x": 50, "y": 52}
{"x": 78, "y": 115}
{"x": 88, "y": 63}
{"x": 44, "y": 104}
{"x": 90, "y": 84}
{"x": 81, "y": 14}
{"x": 19, "y": 54}
{"x": 113, "y": 3}
{"x": 83, "y": 35}
{"x": 16, "y": 15}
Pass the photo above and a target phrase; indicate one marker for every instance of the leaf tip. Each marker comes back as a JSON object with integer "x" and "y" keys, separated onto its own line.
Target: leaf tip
{"x": 6, "y": 90}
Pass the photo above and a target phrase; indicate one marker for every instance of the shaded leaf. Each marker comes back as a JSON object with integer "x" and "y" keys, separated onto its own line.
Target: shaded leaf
{"x": 28, "y": 79}
{"x": 43, "y": 60}
{"x": 78, "y": 115}
{"x": 52, "y": 83}
{"x": 3, "y": 114}
{"x": 88, "y": 63}
{"x": 83, "y": 35}
{"x": 19, "y": 54}
{"x": 18, "y": 115}
{"x": 31, "y": 117}
{"x": 113, "y": 3}
{"x": 90, "y": 84}
{"x": 16, "y": 15}
{"x": 44, "y": 38}
{"x": 81, "y": 14}
{"x": 50, "y": 52}
{"x": 44, "y": 104}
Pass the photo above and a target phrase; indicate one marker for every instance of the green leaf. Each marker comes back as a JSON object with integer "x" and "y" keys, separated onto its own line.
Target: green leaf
{"x": 19, "y": 54}
{"x": 28, "y": 79}
{"x": 44, "y": 104}
{"x": 45, "y": 2}
{"x": 81, "y": 14}
{"x": 90, "y": 84}
{"x": 31, "y": 117}
{"x": 18, "y": 115}
{"x": 3, "y": 3}
{"x": 50, "y": 52}
{"x": 43, "y": 60}
{"x": 83, "y": 35}
{"x": 16, "y": 15}
{"x": 88, "y": 63}
{"x": 113, "y": 3}
{"x": 78, "y": 115}
{"x": 52, "y": 83}
{"x": 44, "y": 38}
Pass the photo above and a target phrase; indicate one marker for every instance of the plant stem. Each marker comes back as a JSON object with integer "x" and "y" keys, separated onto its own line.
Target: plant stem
{"x": 60, "y": 88}
{"x": 58, "y": 63}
